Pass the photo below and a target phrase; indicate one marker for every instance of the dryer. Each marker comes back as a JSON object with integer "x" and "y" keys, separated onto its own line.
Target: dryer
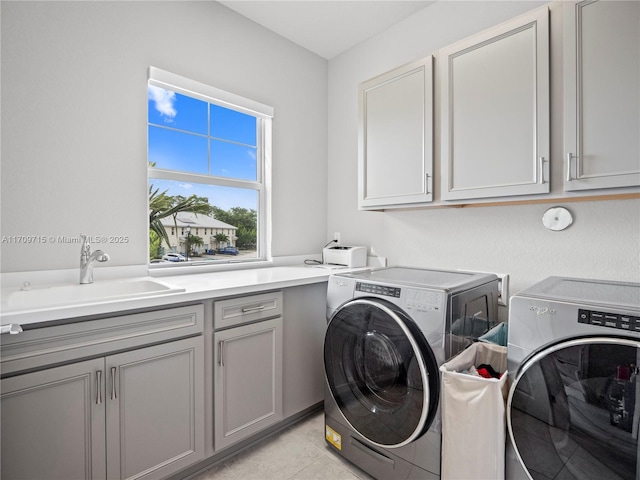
{"x": 573, "y": 408}
{"x": 388, "y": 332}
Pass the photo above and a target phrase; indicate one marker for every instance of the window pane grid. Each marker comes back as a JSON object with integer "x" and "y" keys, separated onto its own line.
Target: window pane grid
{"x": 226, "y": 140}
{"x": 210, "y": 159}
{"x": 203, "y": 149}
{"x": 166, "y": 174}
{"x": 179, "y": 130}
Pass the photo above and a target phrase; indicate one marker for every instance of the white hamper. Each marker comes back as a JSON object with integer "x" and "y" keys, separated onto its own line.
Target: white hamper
{"x": 473, "y": 414}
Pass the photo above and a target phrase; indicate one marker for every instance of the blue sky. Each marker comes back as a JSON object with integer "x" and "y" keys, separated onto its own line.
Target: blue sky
{"x": 229, "y": 150}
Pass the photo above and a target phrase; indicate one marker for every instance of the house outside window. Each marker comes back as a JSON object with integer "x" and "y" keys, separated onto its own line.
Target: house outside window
{"x": 207, "y": 250}
{"x": 209, "y": 163}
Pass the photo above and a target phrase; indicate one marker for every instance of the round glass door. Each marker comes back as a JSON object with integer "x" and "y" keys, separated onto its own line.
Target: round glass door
{"x": 381, "y": 372}
{"x": 573, "y": 410}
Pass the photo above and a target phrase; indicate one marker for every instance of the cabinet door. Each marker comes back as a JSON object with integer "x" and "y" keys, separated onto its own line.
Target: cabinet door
{"x": 155, "y": 409}
{"x": 395, "y": 138}
{"x": 247, "y": 380}
{"x": 53, "y": 423}
{"x": 602, "y": 94}
{"x": 495, "y": 111}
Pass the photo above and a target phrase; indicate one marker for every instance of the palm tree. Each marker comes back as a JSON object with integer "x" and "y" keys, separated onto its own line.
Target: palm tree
{"x": 221, "y": 237}
{"x": 162, "y": 205}
{"x": 195, "y": 240}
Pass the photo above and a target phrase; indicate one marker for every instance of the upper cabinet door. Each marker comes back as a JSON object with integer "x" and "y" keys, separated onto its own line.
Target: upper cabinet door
{"x": 495, "y": 111}
{"x": 395, "y": 159}
{"x": 602, "y": 94}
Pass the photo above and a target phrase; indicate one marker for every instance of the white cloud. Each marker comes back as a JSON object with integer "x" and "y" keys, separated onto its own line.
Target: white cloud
{"x": 164, "y": 101}
{"x": 186, "y": 186}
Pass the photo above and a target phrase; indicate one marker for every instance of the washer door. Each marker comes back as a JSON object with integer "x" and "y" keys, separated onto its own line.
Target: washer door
{"x": 573, "y": 410}
{"x": 381, "y": 372}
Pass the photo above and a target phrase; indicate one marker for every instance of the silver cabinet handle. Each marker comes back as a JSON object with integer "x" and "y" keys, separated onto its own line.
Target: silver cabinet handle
{"x": 220, "y": 357}
{"x": 253, "y": 309}
{"x": 98, "y": 387}
{"x": 570, "y": 157}
{"x": 542, "y": 161}
{"x": 427, "y": 186}
{"x": 114, "y": 393}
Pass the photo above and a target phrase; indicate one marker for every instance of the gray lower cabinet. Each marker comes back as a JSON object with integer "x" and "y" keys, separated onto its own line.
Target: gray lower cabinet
{"x": 248, "y": 369}
{"x": 304, "y": 326}
{"x": 137, "y": 414}
{"x": 154, "y": 401}
{"x": 53, "y": 423}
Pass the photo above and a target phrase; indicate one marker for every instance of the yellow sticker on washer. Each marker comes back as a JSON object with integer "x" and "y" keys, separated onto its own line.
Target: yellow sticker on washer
{"x": 333, "y": 437}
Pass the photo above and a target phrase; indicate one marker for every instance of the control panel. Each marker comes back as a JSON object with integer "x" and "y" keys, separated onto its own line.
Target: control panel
{"x": 611, "y": 320}
{"x": 378, "y": 289}
{"x": 424, "y": 301}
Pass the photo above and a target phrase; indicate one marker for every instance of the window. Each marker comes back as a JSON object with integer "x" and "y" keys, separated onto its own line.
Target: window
{"x": 208, "y": 169}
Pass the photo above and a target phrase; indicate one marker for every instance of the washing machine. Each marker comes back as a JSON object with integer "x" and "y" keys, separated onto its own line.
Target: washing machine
{"x": 573, "y": 407}
{"x": 388, "y": 332}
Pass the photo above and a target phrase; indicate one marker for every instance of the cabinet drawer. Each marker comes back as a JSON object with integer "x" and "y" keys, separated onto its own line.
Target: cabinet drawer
{"x": 236, "y": 311}
{"x": 59, "y": 344}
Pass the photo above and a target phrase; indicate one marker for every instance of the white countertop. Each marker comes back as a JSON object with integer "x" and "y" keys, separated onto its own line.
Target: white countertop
{"x": 194, "y": 287}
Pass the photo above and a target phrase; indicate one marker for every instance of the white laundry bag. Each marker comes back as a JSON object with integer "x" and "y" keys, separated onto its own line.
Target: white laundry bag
{"x": 473, "y": 414}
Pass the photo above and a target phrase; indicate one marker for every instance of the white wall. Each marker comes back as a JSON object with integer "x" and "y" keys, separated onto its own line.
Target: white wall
{"x": 73, "y": 139}
{"x": 603, "y": 242}
{"x": 74, "y": 107}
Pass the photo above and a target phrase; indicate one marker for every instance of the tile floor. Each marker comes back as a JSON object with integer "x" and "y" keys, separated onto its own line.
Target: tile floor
{"x": 297, "y": 453}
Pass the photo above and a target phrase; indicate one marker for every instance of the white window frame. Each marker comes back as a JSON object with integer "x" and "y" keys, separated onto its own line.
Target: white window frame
{"x": 264, "y": 115}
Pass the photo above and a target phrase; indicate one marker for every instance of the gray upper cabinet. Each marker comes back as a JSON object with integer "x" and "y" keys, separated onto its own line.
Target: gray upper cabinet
{"x": 495, "y": 111}
{"x": 602, "y": 94}
{"x": 395, "y": 161}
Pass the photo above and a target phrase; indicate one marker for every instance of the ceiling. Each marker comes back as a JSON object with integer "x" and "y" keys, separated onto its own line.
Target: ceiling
{"x": 326, "y": 27}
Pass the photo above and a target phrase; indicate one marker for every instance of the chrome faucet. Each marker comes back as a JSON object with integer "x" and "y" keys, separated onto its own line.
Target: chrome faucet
{"x": 87, "y": 258}
{"x": 12, "y": 328}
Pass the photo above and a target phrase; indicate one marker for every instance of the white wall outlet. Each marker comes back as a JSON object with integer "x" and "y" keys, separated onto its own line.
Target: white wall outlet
{"x": 336, "y": 236}
{"x": 503, "y": 289}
